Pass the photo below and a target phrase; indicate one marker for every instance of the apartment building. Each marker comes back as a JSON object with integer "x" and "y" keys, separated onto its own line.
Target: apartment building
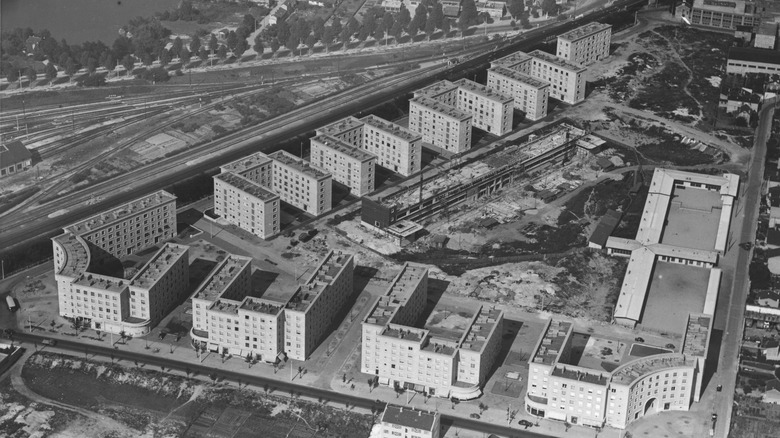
{"x": 315, "y": 305}
{"x": 530, "y": 95}
{"x": 102, "y": 301}
{"x": 257, "y": 167}
{"x": 131, "y": 227}
{"x": 396, "y": 148}
{"x": 585, "y": 44}
{"x": 348, "y": 165}
{"x": 491, "y": 110}
{"x": 301, "y": 185}
{"x": 440, "y": 124}
{"x": 161, "y": 284}
{"x": 567, "y": 80}
{"x": 443, "y": 363}
{"x": 405, "y": 422}
{"x": 228, "y": 319}
{"x": 246, "y": 204}
{"x": 518, "y": 61}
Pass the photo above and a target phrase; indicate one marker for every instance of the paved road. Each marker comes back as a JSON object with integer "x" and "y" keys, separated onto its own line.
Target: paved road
{"x": 748, "y": 205}
{"x": 276, "y": 385}
{"x": 122, "y": 189}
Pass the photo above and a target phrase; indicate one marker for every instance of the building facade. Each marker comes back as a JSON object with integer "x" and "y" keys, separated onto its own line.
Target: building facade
{"x": 725, "y": 14}
{"x": 567, "y": 80}
{"x": 227, "y": 319}
{"x": 313, "y": 308}
{"x": 440, "y": 124}
{"x": 396, "y": 148}
{"x": 348, "y": 165}
{"x": 246, "y": 204}
{"x": 586, "y": 44}
{"x": 530, "y": 95}
{"x": 398, "y": 421}
{"x": 744, "y": 60}
{"x": 112, "y": 303}
{"x": 490, "y": 110}
{"x": 301, "y": 185}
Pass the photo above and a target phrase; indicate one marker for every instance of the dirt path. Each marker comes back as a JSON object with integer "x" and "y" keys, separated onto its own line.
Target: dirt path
{"x": 99, "y": 425}
{"x": 690, "y": 72}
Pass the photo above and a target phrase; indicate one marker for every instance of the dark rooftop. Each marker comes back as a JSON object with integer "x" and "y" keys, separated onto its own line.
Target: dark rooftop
{"x": 13, "y": 153}
{"x": 751, "y": 54}
{"x": 409, "y": 417}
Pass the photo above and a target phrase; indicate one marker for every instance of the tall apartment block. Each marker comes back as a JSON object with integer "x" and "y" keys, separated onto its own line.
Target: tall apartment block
{"x": 530, "y": 95}
{"x": 315, "y": 305}
{"x": 301, "y": 185}
{"x": 226, "y": 317}
{"x": 567, "y": 80}
{"x": 518, "y": 61}
{"x": 490, "y": 109}
{"x": 395, "y": 147}
{"x": 585, "y": 44}
{"x": 348, "y": 164}
{"x": 113, "y": 303}
{"x": 440, "y": 124}
{"x": 441, "y": 363}
{"x": 246, "y": 204}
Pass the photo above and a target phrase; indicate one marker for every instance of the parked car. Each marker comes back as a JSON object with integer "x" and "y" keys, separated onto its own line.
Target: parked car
{"x": 49, "y": 342}
{"x": 638, "y": 339}
{"x": 525, "y": 423}
{"x": 474, "y": 416}
{"x": 719, "y": 388}
{"x": 670, "y": 346}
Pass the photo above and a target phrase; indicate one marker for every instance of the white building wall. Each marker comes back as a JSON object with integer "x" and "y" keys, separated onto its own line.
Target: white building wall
{"x": 440, "y": 130}
{"x": 527, "y": 98}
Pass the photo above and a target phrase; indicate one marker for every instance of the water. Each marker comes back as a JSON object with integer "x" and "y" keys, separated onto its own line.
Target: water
{"x": 78, "y": 20}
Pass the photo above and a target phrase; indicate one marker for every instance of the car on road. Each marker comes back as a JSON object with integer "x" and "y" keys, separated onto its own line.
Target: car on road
{"x": 719, "y": 388}
{"x": 670, "y": 346}
{"x": 49, "y": 342}
{"x": 525, "y": 423}
{"x": 638, "y": 339}
{"x": 474, "y": 416}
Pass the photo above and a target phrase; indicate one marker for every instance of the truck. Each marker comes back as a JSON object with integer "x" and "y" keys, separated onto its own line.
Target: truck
{"x": 11, "y": 303}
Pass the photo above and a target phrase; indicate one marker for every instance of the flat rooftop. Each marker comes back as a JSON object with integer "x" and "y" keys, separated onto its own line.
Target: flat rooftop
{"x": 391, "y": 128}
{"x": 510, "y": 156}
{"x": 225, "y": 306}
{"x": 340, "y": 126}
{"x": 519, "y": 77}
{"x": 320, "y": 279}
{"x": 247, "y": 163}
{"x": 584, "y": 31}
{"x": 412, "y": 334}
{"x": 247, "y": 186}
{"x": 697, "y": 335}
{"x": 76, "y": 254}
{"x": 485, "y": 323}
{"x": 511, "y": 60}
{"x": 110, "y": 284}
{"x": 409, "y": 417}
{"x": 595, "y": 378}
{"x": 121, "y": 212}
{"x": 693, "y": 218}
{"x": 482, "y": 90}
{"x": 298, "y": 164}
{"x": 158, "y": 265}
{"x": 450, "y": 322}
{"x": 552, "y": 342}
{"x": 556, "y": 61}
{"x": 259, "y": 305}
{"x": 626, "y": 374}
{"x": 397, "y": 294}
{"x": 441, "y": 108}
{"x": 221, "y": 277}
{"x": 675, "y": 291}
{"x": 343, "y": 148}
{"x": 436, "y": 89}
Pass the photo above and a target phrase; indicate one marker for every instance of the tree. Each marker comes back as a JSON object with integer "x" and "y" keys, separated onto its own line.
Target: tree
{"x": 468, "y": 15}
{"x": 379, "y": 30}
{"x": 195, "y": 44}
{"x": 109, "y": 62}
{"x": 437, "y": 15}
{"x": 550, "y": 7}
{"x": 232, "y": 40}
{"x": 344, "y": 37}
{"x": 165, "y": 57}
{"x": 311, "y": 40}
{"x": 292, "y": 44}
{"x": 275, "y": 45}
{"x": 185, "y": 55}
{"x": 516, "y": 8}
{"x": 369, "y": 25}
{"x": 51, "y": 71}
{"x": 482, "y": 408}
{"x": 213, "y": 43}
{"x": 396, "y": 31}
{"x": 430, "y": 28}
{"x": 446, "y": 26}
{"x": 222, "y": 52}
{"x": 336, "y": 27}
{"x": 282, "y": 31}
{"x": 258, "y": 47}
{"x": 177, "y": 45}
{"x": 241, "y": 47}
{"x": 318, "y": 27}
{"x": 404, "y": 17}
{"x": 420, "y": 19}
{"x": 203, "y": 54}
{"x": 327, "y": 37}
{"x": 387, "y": 22}
{"x": 71, "y": 67}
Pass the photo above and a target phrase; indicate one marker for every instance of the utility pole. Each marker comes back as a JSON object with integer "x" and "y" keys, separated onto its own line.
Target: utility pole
{"x": 2, "y": 267}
